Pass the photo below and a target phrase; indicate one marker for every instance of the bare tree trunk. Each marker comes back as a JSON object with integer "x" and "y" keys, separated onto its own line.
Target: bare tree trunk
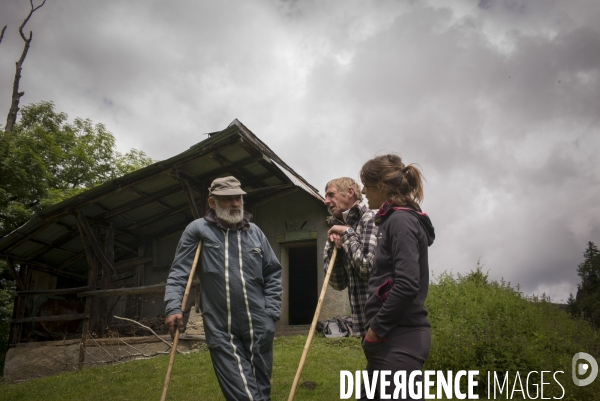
{"x": 16, "y": 95}
{"x": 2, "y": 33}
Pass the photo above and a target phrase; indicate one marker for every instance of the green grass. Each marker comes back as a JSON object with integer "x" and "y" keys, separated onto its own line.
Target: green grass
{"x": 477, "y": 324}
{"x": 193, "y": 377}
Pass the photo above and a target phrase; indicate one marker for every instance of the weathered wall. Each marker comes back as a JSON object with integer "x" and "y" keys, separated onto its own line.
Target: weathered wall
{"x": 271, "y": 216}
{"x": 295, "y": 209}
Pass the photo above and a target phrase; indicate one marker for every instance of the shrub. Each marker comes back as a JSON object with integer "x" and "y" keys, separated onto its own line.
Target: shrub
{"x": 484, "y": 325}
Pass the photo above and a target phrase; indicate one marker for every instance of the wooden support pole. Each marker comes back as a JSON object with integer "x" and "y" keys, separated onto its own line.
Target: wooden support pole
{"x": 89, "y": 301}
{"x": 190, "y": 197}
{"x": 94, "y": 242}
{"x": 313, "y": 326}
{"x": 109, "y": 250}
{"x": 140, "y": 279}
{"x": 15, "y": 273}
{"x": 55, "y": 318}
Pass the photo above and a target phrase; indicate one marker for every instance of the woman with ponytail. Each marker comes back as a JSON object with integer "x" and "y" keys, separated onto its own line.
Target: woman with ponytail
{"x": 398, "y": 336}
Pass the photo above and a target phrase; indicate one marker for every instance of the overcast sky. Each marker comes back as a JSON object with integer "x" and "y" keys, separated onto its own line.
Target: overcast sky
{"x": 498, "y": 101}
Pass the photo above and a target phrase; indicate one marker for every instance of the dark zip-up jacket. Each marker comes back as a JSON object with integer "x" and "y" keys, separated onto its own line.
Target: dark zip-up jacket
{"x": 400, "y": 278}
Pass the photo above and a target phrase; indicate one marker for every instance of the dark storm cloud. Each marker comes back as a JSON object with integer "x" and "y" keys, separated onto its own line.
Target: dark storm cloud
{"x": 497, "y": 101}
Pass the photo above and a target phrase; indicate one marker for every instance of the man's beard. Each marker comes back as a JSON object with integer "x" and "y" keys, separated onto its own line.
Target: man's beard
{"x": 227, "y": 216}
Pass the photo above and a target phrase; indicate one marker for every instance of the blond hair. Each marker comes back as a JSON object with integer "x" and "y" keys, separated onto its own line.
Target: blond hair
{"x": 343, "y": 184}
{"x": 402, "y": 184}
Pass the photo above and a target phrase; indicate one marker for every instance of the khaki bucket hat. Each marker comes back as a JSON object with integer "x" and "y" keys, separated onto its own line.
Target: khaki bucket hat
{"x": 226, "y": 186}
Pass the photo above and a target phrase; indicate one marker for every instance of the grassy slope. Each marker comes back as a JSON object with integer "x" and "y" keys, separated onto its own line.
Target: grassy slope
{"x": 476, "y": 325}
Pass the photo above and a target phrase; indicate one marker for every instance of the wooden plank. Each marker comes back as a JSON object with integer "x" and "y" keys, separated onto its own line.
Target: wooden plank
{"x": 141, "y": 202}
{"x": 25, "y": 238}
{"x": 56, "y": 244}
{"x": 159, "y": 217}
{"x": 147, "y": 289}
{"x": 59, "y": 273}
{"x": 71, "y": 260}
{"x": 132, "y": 262}
{"x": 125, "y": 247}
{"x": 55, "y": 318}
{"x": 60, "y": 291}
{"x": 21, "y": 261}
{"x": 198, "y": 184}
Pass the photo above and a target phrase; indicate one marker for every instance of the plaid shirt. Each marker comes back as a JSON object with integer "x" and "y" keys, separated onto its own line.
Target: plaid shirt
{"x": 354, "y": 263}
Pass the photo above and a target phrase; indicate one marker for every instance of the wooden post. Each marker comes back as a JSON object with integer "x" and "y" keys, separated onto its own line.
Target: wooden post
{"x": 313, "y": 326}
{"x": 109, "y": 251}
{"x": 14, "y": 336}
{"x": 89, "y": 301}
{"x": 15, "y": 273}
{"x": 186, "y": 294}
{"x": 187, "y": 190}
{"x": 139, "y": 280}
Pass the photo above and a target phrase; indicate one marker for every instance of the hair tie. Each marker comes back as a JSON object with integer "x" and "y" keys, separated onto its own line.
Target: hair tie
{"x": 405, "y": 170}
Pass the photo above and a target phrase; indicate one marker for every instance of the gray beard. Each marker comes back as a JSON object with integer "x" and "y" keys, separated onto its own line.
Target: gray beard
{"x": 225, "y": 216}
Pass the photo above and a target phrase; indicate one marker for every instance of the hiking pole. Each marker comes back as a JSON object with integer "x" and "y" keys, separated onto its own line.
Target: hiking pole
{"x": 311, "y": 332}
{"x": 188, "y": 287}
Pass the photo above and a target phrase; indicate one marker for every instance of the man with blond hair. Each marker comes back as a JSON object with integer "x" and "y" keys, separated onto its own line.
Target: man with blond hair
{"x": 240, "y": 280}
{"x": 354, "y": 233}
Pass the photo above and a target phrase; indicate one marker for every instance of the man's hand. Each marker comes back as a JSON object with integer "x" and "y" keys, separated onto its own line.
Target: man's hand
{"x": 371, "y": 336}
{"x": 335, "y": 235}
{"x": 173, "y": 322}
{"x": 336, "y": 239}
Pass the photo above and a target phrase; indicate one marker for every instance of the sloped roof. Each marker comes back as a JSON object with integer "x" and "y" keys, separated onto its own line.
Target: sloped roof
{"x": 151, "y": 203}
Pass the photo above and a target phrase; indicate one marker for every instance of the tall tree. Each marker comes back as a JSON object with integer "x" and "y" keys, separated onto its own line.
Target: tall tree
{"x": 16, "y": 95}
{"x": 46, "y": 159}
{"x": 588, "y": 293}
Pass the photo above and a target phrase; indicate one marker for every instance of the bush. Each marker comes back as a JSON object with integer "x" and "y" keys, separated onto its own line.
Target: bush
{"x": 484, "y": 325}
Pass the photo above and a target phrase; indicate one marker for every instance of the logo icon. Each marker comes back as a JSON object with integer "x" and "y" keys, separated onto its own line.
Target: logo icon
{"x": 582, "y": 368}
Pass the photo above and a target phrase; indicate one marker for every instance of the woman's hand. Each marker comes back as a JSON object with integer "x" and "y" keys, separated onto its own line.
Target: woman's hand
{"x": 372, "y": 336}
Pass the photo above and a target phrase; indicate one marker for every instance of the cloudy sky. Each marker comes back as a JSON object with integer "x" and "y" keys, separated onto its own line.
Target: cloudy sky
{"x": 497, "y": 100}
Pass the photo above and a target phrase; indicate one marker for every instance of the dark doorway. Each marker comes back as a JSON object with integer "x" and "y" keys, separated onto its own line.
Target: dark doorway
{"x": 303, "y": 295}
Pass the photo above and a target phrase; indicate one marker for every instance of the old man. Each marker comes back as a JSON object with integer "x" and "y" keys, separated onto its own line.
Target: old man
{"x": 240, "y": 280}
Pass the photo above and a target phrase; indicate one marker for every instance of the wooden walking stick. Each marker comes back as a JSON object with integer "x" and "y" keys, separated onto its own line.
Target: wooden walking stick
{"x": 311, "y": 332}
{"x": 188, "y": 287}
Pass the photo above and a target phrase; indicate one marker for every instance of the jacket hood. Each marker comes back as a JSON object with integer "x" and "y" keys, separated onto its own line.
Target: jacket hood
{"x": 388, "y": 208}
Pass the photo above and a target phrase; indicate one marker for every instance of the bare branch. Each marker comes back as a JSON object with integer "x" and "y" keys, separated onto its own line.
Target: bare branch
{"x": 27, "y": 19}
{"x": 104, "y": 349}
{"x": 16, "y": 95}
{"x": 2, "y": 33}
{"x": 147, "y": 328}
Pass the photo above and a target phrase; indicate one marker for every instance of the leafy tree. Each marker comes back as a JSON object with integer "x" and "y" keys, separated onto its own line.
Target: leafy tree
{"x": 46, "y": 159}
{"x": 587, "y": 301}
